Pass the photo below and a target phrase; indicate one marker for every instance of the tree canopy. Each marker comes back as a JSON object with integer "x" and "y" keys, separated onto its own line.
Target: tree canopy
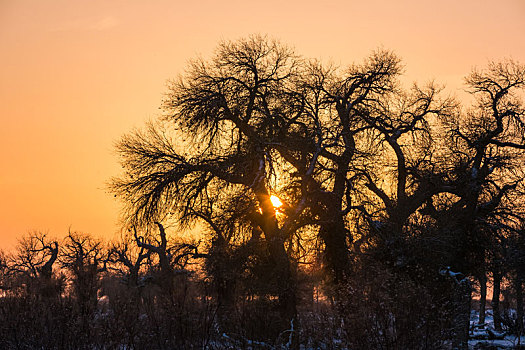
{"x": 363, "y": 166}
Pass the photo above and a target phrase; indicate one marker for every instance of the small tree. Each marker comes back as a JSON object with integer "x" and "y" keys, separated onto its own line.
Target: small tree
{"x": 85, "y": 258}
{"x": 32, "y": 265}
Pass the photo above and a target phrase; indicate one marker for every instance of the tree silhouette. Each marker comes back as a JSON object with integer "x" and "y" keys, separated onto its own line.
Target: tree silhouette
{"x": 380, "y": 176}
{"x": 231, "y": 109}
{"x": 32, "y": 265}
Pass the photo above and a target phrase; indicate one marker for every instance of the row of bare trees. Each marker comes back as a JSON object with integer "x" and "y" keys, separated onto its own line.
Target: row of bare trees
{"x": 77, "y": 284}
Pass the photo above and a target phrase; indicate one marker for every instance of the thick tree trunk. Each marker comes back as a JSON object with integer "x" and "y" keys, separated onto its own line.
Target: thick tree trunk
{"x": 224, "y": 277}
{"x": 336, "y": 250}
{"x": 462, "y": 315}
{"x": 225, "y": 301}
{"x": 482, "y": 298}
{"x": 284, "y": 274}
{"x": 495, "y": 301}
{"x": 287, "y": 290}
{"x": 286, "y": 281}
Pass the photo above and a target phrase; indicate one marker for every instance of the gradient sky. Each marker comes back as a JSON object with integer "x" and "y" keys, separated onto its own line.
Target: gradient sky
{"x": 76, "y": 75}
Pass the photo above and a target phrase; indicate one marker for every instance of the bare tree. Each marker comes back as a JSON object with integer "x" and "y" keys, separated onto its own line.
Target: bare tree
{"x": 366, "y": 165}
{"x": 85, "y": 257}
{"x": 128, "y": 259}
{"x": 486, "y": 147}
{"x": 172, "y": 257}
{"x": 230, "y": 108}
{"x": 33, "y": 262}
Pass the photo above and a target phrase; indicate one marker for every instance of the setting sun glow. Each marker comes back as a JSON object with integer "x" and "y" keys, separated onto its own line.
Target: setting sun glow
{"x": 276, "y": 202}
{"x": 120, "y": 54}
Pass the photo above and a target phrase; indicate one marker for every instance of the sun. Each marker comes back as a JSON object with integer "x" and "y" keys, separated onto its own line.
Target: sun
{"x": 276, "y": 202}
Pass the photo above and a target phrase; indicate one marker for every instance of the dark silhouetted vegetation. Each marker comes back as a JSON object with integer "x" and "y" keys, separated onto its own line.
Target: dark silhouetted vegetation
{"x": 399, "y": 209}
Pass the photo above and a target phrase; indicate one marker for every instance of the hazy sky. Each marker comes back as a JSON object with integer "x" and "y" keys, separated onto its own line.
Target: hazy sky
{"x": 76, "y": 75}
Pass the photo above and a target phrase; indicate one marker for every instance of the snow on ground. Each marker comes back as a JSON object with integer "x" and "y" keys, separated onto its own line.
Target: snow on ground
{"x": 510, "y": 342}
{"x": 486, "y": 337}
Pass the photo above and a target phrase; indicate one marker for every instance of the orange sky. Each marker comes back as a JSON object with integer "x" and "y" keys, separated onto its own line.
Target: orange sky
{"x": 76, "y": 75}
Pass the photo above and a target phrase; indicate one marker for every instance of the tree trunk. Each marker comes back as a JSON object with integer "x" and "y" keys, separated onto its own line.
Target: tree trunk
{"x": 336, "y": 251}
{"x": 495, "y": 301}
{"x": 285, "y": 276}
{"x": 482, "y": 298}
{"x": 286, "y": 289}
{"x": 462, "y": 298}
{"x": 224, "y": 276}
{"x": 286, "y": 281}
{"x": 225, "y": 300}
{"x": 518, "y": 285}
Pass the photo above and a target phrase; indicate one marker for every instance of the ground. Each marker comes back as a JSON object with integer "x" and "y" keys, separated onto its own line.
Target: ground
{"x": 488, "y": 338}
